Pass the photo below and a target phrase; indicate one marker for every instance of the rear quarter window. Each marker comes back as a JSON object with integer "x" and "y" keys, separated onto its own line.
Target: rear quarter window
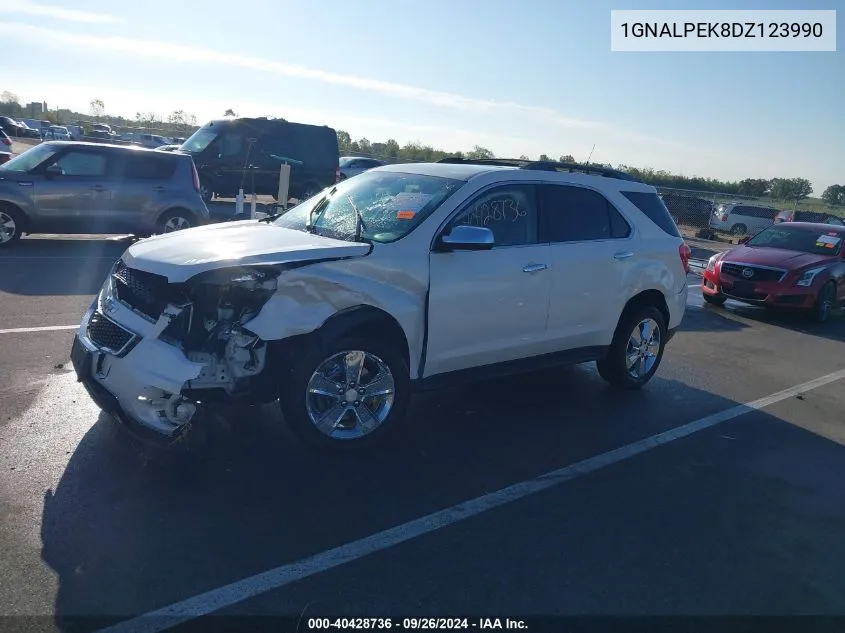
{"x": 147, "y": 167}
{"x": 654, "y": 209}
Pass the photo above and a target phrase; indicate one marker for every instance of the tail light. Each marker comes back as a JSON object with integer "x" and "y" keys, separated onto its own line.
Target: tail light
{"x": 724, "y": 217}
{"x": 337, "y": 174}
{"x": 196, "y": 177}
{"x": 685, "y": 252}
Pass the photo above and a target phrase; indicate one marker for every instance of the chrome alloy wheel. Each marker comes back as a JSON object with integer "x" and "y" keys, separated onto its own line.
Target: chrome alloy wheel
{"x": 8, "y": 227}
{"x": 643, "y": 348}
{"x": 350, "y": 395}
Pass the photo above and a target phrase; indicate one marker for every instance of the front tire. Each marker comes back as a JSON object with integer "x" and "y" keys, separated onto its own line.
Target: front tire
{"x": 11, "y": 225}
{"x": 347, "y": 395}
{"x": 824, "y": 303}
{"x": 716, "y": 300}
{"x": 739, "y": 229}
{"x": 636, "y": 350}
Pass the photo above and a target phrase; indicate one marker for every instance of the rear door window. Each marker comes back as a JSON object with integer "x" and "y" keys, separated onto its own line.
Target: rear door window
{"x": 146, "y": 167}
{"x": 575, "y": 214}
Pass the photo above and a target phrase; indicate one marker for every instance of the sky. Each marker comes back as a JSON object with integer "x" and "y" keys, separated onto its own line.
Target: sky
{"x": 518, "y": 78}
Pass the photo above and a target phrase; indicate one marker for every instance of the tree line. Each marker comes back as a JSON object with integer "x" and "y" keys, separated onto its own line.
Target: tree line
{"x": 181, "y": 123}
{"x": 786, "y": 189}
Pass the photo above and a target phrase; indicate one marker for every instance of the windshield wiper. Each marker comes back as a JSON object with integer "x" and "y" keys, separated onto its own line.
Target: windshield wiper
{"x": 359, "y": 219}
{"x": 322, "y": 204}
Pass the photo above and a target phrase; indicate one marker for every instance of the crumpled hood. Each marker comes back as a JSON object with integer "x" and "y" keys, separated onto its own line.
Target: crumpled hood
{"x": 182, "y": 254}
{"x": 774, "y": 257}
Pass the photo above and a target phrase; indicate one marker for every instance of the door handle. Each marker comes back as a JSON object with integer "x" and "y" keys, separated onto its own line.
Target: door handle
{"x": 623, "y": 255}
{"x": 533, "y": 268}
{"x": 99, "y": 188}
{"x": 159, "y": 189}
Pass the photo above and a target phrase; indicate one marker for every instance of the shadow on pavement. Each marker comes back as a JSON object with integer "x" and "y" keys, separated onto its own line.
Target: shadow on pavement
{"x": 833, "y": 328}
{"x": 47, "y": 267}
{"x": 125, "y": 536}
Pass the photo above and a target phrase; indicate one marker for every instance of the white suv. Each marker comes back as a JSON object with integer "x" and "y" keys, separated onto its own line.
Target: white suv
{"x": 404, "y": 278}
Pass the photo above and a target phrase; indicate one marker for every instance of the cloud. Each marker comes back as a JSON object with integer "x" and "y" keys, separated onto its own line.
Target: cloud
{"x": 56, "y": 13}
{"x": 174, "y": 52}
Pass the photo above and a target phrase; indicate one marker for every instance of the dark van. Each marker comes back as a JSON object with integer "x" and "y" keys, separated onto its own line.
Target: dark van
{"x": 236, "y": 153}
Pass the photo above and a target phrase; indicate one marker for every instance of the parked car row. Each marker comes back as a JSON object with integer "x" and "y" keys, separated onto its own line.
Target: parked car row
{"x": 748, "y": 219}
{"x": 17, "y": 129}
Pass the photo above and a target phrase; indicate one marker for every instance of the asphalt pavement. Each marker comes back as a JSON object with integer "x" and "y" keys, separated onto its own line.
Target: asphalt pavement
{"x": 716, "y": 490}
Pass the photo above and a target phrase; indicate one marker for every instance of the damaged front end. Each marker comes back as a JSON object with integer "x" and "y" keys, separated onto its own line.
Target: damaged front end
{"x": 165, "y": 350}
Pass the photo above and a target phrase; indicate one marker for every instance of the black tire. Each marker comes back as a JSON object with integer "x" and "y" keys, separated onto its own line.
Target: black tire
{"x": 716, "y": 300}
{"x": 613, "y": 368}
{"x": 825, "y": 302}
{"x": 184, "y": 219}
{"x": 12, "y": 222}
{"x": 739, "y": 229}
{"x": 295, "y": 386}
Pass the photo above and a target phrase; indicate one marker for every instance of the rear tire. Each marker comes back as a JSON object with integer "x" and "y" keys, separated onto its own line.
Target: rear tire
{"x": 11, "y": 225}
{"x": 739, "y": 229}
{"x": 175, "y": 220}
{"x": 630, "y": 364}
{"x": 313, "y": 391}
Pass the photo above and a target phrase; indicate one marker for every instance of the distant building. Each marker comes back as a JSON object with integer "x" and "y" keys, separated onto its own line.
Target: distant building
{"x": 35, "y": 109}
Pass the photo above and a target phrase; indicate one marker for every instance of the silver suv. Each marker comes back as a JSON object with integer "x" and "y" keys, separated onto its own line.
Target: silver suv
{"x": 69, "y": 187}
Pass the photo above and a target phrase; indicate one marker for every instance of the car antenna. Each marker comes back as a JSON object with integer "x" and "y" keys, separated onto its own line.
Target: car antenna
{"x": 591, "y": 154}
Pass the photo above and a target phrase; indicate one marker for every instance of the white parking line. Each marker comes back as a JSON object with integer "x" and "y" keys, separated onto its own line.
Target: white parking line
{"x": 228, "y": 595}
{"x": 46, "y": 328}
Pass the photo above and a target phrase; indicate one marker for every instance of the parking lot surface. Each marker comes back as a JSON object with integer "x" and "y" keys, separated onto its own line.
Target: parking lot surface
{"x": 542, "y": 494}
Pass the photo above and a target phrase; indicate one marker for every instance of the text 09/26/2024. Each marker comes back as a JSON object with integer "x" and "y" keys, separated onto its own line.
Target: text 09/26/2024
{"x": 723, "y": 30}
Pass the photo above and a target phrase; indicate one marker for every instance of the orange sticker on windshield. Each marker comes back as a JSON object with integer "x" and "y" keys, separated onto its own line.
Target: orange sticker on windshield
{"x": 406, "y": 215}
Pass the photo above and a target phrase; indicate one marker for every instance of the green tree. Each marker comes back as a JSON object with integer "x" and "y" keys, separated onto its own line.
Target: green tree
{"x": 791, "y": 188}
{"x": 757, "y": 187}
{"x": 524, "y": 157}
{"x": 567, "y": 158}
{"x": 544, "y": 157}
{"x": 97, "y": 108}
{"x": 230, "y": 112}
{"x": 834, "y": 195}
{"x": 479, "y": 152}
{"x": 10, "y": 104}
{"x": 344, "y": 141}
{"x": 391, "y": 148}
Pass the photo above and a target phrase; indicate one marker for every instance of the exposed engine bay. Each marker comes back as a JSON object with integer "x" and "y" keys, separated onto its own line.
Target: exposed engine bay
{"x": 202, "y": 322}
{"x": 207, "y": 322}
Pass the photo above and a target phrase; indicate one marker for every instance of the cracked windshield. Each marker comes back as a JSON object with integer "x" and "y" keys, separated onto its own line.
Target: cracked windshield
{"x": 404, "y": 315}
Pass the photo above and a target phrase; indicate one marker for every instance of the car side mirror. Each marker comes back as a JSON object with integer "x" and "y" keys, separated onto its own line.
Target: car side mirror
{"x": 467, "y": 238}
{"x": 745, "y": 240}
{"x": 53, "y": 171}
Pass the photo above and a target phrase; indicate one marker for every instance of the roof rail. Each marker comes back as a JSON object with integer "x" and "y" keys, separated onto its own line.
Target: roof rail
{"x": 543, "y": 165}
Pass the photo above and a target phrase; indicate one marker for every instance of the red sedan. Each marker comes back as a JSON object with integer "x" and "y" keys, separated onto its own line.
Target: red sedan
{"x": 798, "y": 265}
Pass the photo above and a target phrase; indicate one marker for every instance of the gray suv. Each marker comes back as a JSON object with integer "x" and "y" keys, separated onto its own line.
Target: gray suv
{"x": 69, "y": 187}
